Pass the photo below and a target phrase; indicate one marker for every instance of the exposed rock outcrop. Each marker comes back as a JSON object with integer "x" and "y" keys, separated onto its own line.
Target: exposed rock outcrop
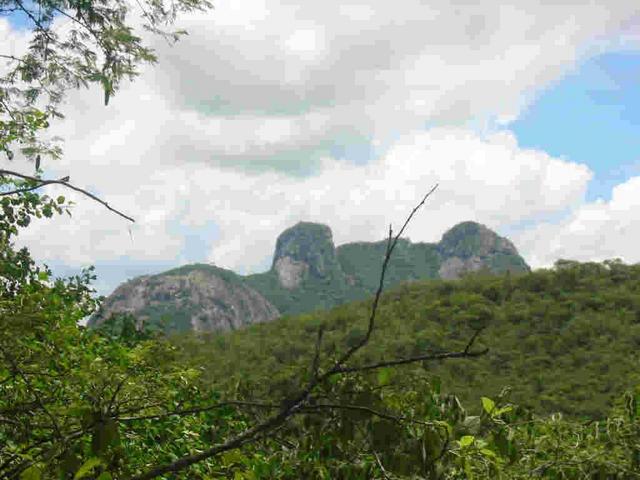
{"x": 469, "y": 239}
{"x": 290, "y": 272}
{"x": 203, "y": 298}
{"x": 470, "y": 246}
{"x": 305, "y": 248}
{"x": 308, "y": 273}
{"x": 454, "y": 267}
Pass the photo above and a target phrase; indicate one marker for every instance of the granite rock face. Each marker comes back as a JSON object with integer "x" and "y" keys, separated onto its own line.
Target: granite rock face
{"x": 202, "y": 298}
{"x": 305, "y": 248}
{"x": 469, "y": 239}
{"x": 290, "y": 272}
{"x": 454, "y": 267}
{"x": 470, "y": 246}
{"x": 308, "y": 273}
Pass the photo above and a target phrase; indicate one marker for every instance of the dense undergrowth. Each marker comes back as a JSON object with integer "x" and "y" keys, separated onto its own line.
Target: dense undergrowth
{"x": 79, "y": 403}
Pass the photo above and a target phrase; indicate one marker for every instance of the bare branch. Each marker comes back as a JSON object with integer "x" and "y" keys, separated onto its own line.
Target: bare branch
{"x": 63, "y": 181}
{"x": 316, "y": 359}
{"x": 473, "y": 339}
{"x": 466, "y": 353}
{"x": 360, "y": 408}
{"x": 384, "y": 472}
{"x": 296, "y": 403}
{"x": 418, "y": 358}
{"x": 374, "y": 308}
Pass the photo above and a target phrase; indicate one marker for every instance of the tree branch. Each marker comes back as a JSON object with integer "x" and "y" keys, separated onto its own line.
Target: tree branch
{"x": 384, "y": 472}
{"x": 197, "y": 410}
{"x": 360, "y": 408}
{"x": 296, "y": 404}
{"x": 63, "y": 181}
{"x": 466, "y": 353}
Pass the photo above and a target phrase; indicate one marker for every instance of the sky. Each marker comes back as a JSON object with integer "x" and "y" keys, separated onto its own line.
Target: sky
{"x": 526, "y": 114}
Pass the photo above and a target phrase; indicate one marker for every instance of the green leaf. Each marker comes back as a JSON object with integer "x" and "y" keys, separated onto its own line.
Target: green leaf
{"x": 466, "y": 441}
{"x": 488, "y": 405}
{"x": 445, "y": 425}
{"x": 233, "y": 457}
{"x": 502, "y": 410}
{"x": 87, "y": 467}
{"x": 384, "y": 375}
{"x": 60, "y": 200}
{"x": 104, "y": 476}
{"x": 488, "y": 453}
{"x": 32, "y": 473}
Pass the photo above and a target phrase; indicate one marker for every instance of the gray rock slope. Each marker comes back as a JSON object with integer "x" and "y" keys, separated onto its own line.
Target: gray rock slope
{"x": 308, "y": 273}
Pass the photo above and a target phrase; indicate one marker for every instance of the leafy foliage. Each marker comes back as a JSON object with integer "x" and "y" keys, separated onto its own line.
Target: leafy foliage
{"x": 98, "y": 47}
{"x": 565, "y": 339}
{"x": 64, "y": 390}
{"x": 78, "y": 403}
{"x": 116, "y": 403}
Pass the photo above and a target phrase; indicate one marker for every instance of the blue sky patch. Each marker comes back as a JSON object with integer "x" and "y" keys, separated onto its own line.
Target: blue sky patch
{"x": 591, "y": 116}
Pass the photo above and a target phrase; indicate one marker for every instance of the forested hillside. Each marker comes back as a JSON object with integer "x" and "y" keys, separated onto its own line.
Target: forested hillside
{"x": 564, "y": 340}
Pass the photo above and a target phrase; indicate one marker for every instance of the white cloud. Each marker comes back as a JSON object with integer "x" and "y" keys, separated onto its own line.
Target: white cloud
{"x": 387, "y": 70}
{"x": 594, "y": 231}
{"x": 235, "y": 125}
{"x": 487, "y": 179}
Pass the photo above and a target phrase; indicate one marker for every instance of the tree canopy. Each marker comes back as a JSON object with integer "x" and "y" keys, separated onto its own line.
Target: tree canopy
{"x": 77, "y": 403}
{"x": 97, "y": 45}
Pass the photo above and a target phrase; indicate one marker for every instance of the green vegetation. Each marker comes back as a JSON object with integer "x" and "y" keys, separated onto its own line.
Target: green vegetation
{"x": 75, "y": 403}
{"x": 362, "y": 261}
{"x": 327, "y": 276}
{"x": 86, "y": 404}
{"x": 319, "y": 396}
{"x": 565, "y": 340}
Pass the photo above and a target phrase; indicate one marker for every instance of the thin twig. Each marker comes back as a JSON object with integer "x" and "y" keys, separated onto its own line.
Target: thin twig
{"x": 384, "y": 472}
{"x": 360, "y": 408}
{"x": 466, "y": 353}
{"x": 63, "y": 181}
{"x": 291, "y": 406}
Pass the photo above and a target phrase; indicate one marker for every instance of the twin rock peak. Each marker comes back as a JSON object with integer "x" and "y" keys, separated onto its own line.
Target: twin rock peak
{"x": 308, "y": 273}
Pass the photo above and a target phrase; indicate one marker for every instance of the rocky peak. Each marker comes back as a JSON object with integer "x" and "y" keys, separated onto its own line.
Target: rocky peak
{"x": 470, "y": 246}
{"x": 469, "y": 239}
{"x": 194, "y": 297}
{"x": 304, "y": 249}
{"x": 308, "y": 273}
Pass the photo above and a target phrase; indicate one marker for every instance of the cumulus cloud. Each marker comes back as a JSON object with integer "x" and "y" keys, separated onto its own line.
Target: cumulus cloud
{"x": 594, "y": 231}
{"x": 380, "y": 67}
{"x": 240, "y": 121}
{"x": 484, "y": 178}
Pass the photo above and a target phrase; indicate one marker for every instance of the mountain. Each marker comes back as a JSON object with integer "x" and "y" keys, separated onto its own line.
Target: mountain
{"x": 308, "y": 273}
{"x": 193, "y": 297}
